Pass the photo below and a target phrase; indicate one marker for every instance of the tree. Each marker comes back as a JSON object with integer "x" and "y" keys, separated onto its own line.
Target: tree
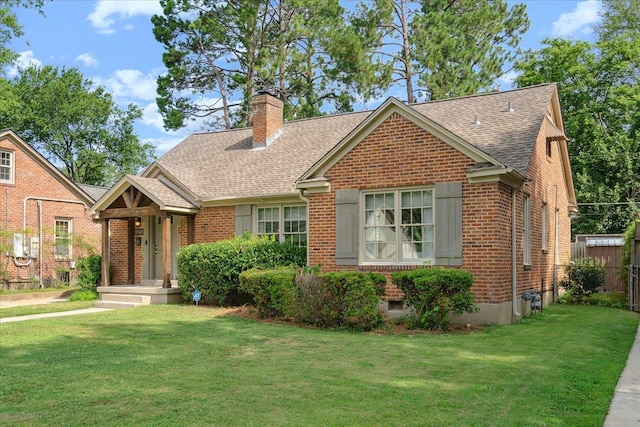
{"x": 219, "y": 53}
{"x": 446, "y": 48}
{"x": 600, "y": 94}
{"x": 74, "y": 125}
{"x": 10, "y": 28}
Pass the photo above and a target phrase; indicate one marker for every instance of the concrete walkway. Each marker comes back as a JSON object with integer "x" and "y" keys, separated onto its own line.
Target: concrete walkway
{"x": 5, "y": 303}
{"x": 624, "y": 410}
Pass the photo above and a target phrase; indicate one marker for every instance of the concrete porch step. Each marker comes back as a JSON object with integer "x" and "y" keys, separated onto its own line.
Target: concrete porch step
{"x": 122, "y": 300}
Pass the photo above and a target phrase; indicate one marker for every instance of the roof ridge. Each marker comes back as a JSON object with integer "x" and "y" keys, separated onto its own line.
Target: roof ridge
{"x": 477, "y": 95}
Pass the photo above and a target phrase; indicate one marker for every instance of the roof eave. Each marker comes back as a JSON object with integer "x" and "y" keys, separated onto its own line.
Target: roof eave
{"x": 503, "y": 174}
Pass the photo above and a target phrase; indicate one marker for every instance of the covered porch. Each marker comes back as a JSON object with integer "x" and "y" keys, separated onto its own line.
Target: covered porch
{"x": 144, "y": 223}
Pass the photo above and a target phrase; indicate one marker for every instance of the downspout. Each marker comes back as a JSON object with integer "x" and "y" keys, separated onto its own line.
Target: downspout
{"x": 24, "y": 223}
{"x": 514, "y": 281}
{"x": 40, "y": 283}
{"x": 306, "y": 200}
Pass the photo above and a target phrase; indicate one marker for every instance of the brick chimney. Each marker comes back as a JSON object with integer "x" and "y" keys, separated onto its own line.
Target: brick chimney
{"x": 267, "y": 118}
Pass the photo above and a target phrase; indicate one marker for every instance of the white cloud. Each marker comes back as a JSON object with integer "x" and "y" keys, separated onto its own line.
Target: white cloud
{"x": 102, "y": 17}
{"x": 25, "y": 60}
{"x": 87, "y": 59}
{"x": 129, "y": 85}
{"x": 578, "y": 21}
{"x": 507, "y": 79}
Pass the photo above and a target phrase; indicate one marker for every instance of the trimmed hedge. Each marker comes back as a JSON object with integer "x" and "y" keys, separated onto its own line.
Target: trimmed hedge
{"x": 214, "y": 268}
{"x": 434, "y": 293}
{"x": 272, "y": 290}
{"x": 332, "y": 300}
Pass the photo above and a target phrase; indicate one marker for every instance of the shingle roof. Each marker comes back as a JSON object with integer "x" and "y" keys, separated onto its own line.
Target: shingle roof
{"x": 221, "y": 165}
{"x": 508, "y": 137}
{"x": 94, "y": 191}
{"x": 164, "y": 195}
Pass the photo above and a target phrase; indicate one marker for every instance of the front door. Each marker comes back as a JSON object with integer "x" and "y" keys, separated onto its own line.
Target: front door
{"x": 152, "y": 249}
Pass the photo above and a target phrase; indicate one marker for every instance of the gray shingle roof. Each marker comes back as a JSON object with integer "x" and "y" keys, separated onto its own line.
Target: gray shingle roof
{"x": 94, "y": 191}
{"x": 508, "y": 137}
{"x": 165, "y": 195}
{"x": 221, "y": 165}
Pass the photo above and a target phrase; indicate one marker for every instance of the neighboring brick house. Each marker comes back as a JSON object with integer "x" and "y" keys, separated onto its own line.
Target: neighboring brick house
{"x": 47, "y": 225}
{"x": 481, "y": 182}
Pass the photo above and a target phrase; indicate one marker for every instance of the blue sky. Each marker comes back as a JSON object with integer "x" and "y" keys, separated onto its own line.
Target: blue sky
{"x": 111, "y": 42}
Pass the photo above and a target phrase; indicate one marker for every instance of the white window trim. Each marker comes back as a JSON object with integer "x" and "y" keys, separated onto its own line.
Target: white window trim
{"x": 526, "y": 230}
{"x": 12, "y": 167}
{"x": 281, "y": 236}
{"x": 55, "y": 238}
{"x": 397, "y": 210}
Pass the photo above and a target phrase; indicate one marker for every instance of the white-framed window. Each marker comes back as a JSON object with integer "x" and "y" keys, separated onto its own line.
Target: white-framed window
{"x": 399, "y": 226}
{"x": 285, "y": 223}
{"x": 545, "y": 228}
{"x": 6, "y": 166}
{"x": 526, "y": 230}
{"x": 63, "y": 247}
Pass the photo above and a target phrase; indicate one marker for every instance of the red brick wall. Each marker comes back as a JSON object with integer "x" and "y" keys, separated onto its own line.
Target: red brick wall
{"x": 32, "y": 182}
{"x": 400, "y": 154}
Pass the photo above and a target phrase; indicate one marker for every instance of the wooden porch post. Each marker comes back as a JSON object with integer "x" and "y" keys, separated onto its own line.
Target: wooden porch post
{"x": 166, "y": 251}
{"x": 131, "y": 251}
{"x": 106, "y": 256}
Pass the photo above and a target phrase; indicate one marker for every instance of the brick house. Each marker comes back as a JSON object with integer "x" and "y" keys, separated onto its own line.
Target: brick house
{"x": 480, "y": 182}
{"x": 47, "y": 224}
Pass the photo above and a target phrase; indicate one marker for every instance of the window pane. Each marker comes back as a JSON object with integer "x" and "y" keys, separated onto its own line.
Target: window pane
{"x": 427, "y": 215}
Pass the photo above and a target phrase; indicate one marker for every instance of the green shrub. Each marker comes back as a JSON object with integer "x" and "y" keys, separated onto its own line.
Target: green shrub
{"x": 582, "y": 278}
{"x": 434, "y": 293}
{"x": 84, "y": 295}
{"x": 357, "y": 297}
{"x": 272, "y": 290}
{"x": 332, "y": 300}
{"x": 607, "y": 299}
{"x": 89, "y": 272}
{"x": 214, "y": 268}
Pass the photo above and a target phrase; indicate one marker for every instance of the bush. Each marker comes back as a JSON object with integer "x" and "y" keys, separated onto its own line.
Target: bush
{"x": 272, "y": 290}
{"x": 84, "y": 295}
{"x": 332, "y": 300}
{"x": 89, "y": 272}
{"x": 582, "y": 278}
{"x": 214, "y": 268}
{"x": 356, "y": 297}
{"x": 434, "y": 293}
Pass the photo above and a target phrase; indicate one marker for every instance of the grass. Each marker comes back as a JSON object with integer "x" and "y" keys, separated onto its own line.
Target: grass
{"x": 187, "y": 365}
{"x": 44, "y": 308}
{"x": 38, "y": 290}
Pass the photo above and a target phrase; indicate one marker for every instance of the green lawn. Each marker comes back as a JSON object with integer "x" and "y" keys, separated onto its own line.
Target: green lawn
{"x": 185, "y": 365}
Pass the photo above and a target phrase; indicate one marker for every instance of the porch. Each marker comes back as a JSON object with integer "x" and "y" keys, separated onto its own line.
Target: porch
{"x": 144, "y": 223}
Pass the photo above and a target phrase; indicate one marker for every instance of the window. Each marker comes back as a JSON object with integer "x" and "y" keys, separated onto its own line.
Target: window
{"x": 62, "y": 238}
{"x": 399, "y": 226}
{"x": 526, "y": 230}
{"x": 6, "y": 166}
{"x": 285, "y": 223}
{"x": 545, "y": 228}
{"x": 548, "y": 146}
